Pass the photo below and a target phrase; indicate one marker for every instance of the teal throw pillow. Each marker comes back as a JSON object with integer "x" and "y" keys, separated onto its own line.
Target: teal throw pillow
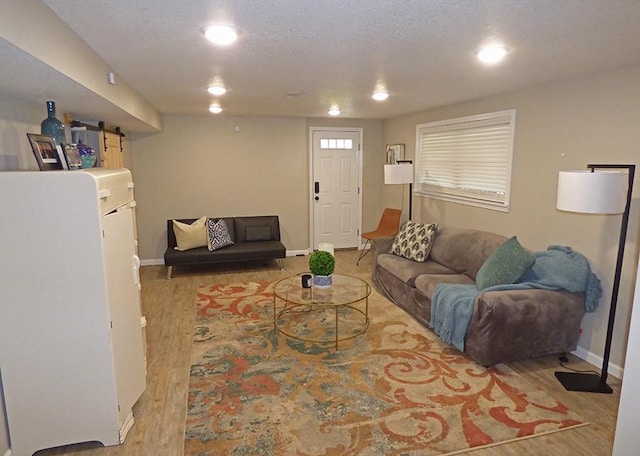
{"x": 505, "y": 265}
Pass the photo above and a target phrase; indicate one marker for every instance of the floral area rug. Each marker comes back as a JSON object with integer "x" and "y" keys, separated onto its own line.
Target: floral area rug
{"x": 395, "y": 390}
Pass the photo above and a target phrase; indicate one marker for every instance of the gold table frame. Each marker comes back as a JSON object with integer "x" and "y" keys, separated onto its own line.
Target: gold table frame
{"x": 345, "y": 292}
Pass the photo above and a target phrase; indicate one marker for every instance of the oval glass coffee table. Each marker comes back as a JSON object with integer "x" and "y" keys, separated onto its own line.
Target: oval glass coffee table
{"x": 321, "y": 315}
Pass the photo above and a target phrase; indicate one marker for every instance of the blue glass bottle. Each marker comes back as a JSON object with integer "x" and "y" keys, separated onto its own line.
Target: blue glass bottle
{"x": 52, "y": 126}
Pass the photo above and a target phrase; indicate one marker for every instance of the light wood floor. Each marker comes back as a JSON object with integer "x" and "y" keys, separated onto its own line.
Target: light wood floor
{"x": 169, "y": 309}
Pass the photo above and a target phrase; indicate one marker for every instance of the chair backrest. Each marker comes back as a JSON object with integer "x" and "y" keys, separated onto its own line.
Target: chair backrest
{"x": 389, "y": 222}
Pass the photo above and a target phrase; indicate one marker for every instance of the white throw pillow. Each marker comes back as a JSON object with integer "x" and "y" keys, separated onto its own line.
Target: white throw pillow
{"x": 190, "y": 236}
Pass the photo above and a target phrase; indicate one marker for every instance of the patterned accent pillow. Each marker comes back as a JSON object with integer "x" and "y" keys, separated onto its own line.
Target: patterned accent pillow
{"x": 217, "y": 234}
{"x": 414, "y": 241}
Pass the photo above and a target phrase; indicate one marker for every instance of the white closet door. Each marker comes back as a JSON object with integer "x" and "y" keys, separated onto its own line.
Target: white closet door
{"x": 124, "y": 306}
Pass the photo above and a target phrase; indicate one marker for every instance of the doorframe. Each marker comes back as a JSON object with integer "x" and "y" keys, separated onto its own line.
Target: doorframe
{"x": 359, "y": 163}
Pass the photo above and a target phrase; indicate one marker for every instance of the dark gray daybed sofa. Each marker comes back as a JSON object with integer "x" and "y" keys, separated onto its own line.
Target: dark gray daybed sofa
{"x": 256, "y": 238}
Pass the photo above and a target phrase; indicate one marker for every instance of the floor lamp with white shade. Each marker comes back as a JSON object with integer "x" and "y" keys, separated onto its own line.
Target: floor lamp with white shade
{"x": 594, "y": 192}
{"x": 400, "y": 173}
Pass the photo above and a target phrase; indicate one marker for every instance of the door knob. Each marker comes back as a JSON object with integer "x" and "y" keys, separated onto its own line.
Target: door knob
{"x": 317, "y": 198}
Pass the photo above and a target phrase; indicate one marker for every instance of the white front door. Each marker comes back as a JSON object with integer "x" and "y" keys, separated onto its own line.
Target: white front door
{"x": 335, "y": 192}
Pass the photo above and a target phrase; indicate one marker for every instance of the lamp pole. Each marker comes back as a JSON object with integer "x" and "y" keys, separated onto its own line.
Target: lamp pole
{"x": 618, "y": 273}
{"x": 579, "y": 381}
{"x": 410, "y": 189}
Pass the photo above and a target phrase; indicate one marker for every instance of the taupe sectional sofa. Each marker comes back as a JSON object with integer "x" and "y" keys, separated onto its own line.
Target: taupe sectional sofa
{"x": 506, "y": 325}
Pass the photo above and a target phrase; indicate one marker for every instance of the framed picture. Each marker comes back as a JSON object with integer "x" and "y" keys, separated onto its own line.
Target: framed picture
{"x": 395, "y": 152}
{"x": 73, "y": 156}
{"x": 46, "y": 153}
{"x": 62, "y": 156}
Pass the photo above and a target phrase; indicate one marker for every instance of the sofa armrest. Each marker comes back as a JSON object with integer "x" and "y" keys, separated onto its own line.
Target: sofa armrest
{"x": 516, "y": 324}
{"x": 378, "y": 246}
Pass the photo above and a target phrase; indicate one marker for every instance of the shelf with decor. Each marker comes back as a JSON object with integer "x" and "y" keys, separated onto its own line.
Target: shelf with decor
{"x": 106, "y": 143}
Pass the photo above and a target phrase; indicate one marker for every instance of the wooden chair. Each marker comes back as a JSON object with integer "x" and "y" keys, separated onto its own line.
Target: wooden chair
{"x": 387, "y": 227}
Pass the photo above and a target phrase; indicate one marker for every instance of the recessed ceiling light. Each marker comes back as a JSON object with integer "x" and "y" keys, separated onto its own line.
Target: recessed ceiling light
{"x": 334, "y": 111}
{"x": 492, "y": 54}
{"x": 215, "y": 108}
{"x": 216, "y": 90}
{"x": 380, "y": 95}
{"x": 222, "y": 35}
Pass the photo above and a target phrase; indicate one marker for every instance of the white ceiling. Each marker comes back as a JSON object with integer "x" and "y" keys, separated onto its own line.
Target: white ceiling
{"x": 335, "y": 51}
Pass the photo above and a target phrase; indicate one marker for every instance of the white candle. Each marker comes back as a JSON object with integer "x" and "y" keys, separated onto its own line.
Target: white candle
{"x": 327, "y": 247}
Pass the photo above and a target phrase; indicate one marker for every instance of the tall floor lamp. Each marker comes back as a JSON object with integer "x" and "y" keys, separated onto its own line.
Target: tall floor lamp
{"x": 597, "y": 193}
{"x": 400, "y": 173}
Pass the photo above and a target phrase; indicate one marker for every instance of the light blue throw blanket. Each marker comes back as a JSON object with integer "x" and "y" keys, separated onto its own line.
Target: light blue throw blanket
{"x": 556, "y": 268}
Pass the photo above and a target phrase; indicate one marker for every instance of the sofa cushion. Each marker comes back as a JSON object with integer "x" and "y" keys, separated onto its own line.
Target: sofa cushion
{"x": 244, "y": 251}
{"x": 464, "y": 250}
{"x": 217, "y": 234}
{"x": 427, "y": 283}
{"x": 408, "y": 270}
{"x": 190, "y": 236}
{"x": 414, "y": 241}
{"x": 258, "y": 233}
{"x": 254, "y": 228}
{"x": 505, "y": 265}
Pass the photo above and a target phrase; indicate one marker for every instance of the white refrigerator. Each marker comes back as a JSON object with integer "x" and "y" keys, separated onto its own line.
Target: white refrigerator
{"x": 72, "y": 361}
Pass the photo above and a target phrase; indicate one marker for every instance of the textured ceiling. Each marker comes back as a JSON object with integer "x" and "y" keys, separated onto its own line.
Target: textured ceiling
{"x": 335, "y": 51}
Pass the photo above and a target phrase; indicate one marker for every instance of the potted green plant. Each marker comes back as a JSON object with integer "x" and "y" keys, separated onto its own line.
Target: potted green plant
{"x": 322, "y": 264}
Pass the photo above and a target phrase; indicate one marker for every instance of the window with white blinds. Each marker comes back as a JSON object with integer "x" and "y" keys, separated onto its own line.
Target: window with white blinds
{"x": 467, "y": 160}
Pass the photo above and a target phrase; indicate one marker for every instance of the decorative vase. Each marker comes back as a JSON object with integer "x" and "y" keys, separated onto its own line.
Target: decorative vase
{"x": 87, "y": 155}
{"x": 322, "y": 281}
{"x": 52, "y": 126}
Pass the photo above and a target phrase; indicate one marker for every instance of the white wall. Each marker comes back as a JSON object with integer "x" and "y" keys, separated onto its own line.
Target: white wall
{"x": 200, "y": 165}
{"x": 17, "y": 118}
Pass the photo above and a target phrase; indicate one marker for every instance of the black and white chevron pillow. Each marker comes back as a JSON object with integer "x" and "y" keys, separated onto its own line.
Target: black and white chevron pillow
{"x": 414, "y": 241}
{"x": 217, "y": 234}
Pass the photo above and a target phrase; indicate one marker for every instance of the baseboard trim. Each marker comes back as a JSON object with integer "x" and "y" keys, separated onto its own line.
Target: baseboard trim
{"x": 595, "y": 360}
{"x": 152, "y": 262}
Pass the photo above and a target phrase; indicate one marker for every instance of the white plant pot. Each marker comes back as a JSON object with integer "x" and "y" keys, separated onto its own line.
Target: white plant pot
{"x": 322, "y": 282}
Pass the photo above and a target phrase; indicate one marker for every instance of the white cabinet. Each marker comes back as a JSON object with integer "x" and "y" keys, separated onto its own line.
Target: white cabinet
{"x": 71, "y": 342}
